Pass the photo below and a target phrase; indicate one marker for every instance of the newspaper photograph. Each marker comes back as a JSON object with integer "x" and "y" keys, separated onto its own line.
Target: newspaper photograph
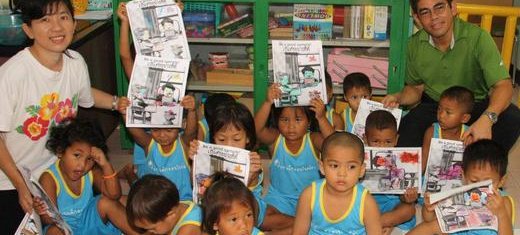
{"x": 211, "y": 158}
{"x": 30, "y": 225}
{"x": 444, "y": 167}
{"x": 365, "y": 108}
{"x": 392, "y": 170}
{"x": 158, "y": 29}
{"x": 464, "y": 208}
{"x": 155, "y": 91}
{"x": 298, "y": 68}
{"x": 53, "y": 212}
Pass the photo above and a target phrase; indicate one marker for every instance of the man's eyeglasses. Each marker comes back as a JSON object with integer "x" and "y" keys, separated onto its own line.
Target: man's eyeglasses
{"x": 438, "y": 9}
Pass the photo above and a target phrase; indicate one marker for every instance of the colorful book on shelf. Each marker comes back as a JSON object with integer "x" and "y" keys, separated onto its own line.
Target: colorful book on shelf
{"x": 380, "y": 23}
{"x": 392, "y": 170}
{"x": 298, "y": 68}
{"x": 312, "y": 21}
{"x": 464, "y": 208}
{"x": 368, "y": 22}
{"x": 444, "y": 166}
{"x": 346, "y": 21}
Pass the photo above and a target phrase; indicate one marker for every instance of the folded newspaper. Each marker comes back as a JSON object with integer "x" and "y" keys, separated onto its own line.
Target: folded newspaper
{"x": 444, "y": 167}
{"x": 211, "y": 158}
{"x": 160, "y": 72}
{"x": 392, "y": 170}
{"x": 365, "y": 108}
{"x": 464, "y": 208}
{"x": 298, "y": 68}
{"x": 32, "y": 222}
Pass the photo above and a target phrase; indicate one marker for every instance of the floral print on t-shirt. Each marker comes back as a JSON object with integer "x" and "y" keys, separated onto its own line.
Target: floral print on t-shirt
{"x": 50, "y": 112}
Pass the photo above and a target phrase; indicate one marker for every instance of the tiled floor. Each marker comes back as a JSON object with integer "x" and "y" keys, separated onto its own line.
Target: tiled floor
{"x": 120, "y": 158}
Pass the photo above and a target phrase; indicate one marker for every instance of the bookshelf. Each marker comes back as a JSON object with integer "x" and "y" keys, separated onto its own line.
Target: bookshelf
{"x": 399, "y": 31}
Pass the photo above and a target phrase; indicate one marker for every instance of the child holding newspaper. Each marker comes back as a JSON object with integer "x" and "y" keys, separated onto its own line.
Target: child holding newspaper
{"x": 482, "y": 160}
{"x": 356, "y": 86}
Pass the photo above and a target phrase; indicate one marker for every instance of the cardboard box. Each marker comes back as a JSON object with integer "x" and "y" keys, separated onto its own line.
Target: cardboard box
{"x": 230, "y": 76}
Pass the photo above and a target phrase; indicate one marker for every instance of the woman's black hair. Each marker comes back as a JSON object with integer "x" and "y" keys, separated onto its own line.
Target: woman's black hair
{"x": 236, "y": 114}
{"x": 36, "y": 9}
{"x": 73, "y": 131}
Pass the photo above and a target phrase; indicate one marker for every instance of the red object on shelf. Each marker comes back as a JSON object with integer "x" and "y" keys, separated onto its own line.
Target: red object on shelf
{"x": 339, "y": 15}
{"x": 231, "y": 10}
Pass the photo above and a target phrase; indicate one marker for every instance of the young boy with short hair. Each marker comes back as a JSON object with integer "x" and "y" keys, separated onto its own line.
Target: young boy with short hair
{"x": 381, "y": 131}
{"x": 482, "y": 160}
{"x": 356, "y": 86}
{"x": 453, "y": 112}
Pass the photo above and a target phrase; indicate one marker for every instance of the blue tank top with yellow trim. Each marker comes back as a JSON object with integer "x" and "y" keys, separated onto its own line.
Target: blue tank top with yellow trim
{"x": 329, "y": 114}
{"x": 172, "y": 165}
{"x": 292, "y": 173}
{"x": 70, "y": 205}
{"x": 348, "y": 120}
{"x": 349, "y": 223}
{"x": 191, "y": 216}
{"x": 437, "y": 132}
{"x": 256, "y": 231}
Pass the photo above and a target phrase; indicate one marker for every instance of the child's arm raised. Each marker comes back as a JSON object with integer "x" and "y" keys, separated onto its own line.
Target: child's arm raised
{"x": 502, "y": 209}
{"x": 105, "y": 177}
{"x": 138, "y": 134}
{"x": 338, "y": 122}
{"x": 302, "y": 222}
{"x": 428, "y": 135}
{"x": 124, "y": 40}
{"x": 372, "y": 216}
{"x": 190, "y": 132}
{"x": 267, "y": 135}
{"x": 49, "y": 185}
{"x": 318, "y": 107}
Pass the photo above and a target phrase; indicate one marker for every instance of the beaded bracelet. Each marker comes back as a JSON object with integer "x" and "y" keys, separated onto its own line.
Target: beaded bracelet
{"x": 109, "y": 176}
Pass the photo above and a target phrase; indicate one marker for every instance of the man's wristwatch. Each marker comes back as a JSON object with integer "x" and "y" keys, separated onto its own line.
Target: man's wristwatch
{"x": 491, "y": 115}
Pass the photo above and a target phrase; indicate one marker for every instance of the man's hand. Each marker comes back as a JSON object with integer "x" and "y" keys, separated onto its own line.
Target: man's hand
{"x": 481, "y": 129}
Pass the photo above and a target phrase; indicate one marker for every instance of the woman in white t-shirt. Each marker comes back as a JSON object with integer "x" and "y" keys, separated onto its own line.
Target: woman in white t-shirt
{"x": 41, "y": 86}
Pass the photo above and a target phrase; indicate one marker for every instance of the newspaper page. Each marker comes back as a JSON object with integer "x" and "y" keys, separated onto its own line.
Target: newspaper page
{"x": 161, "y": 67}
{"x": 211, "y": 158}
{"x": 156, "y": 89}
{"x": 392, "y": 170}
{"x": 30, "y": 225}
{"x": 38, "y": 191}
{"x": 365, "y": 108}
{"x": 444, "y": 167}
{"x": 298, "y": 68}
{"x": 465, "y": 208}
{"x": 158, "y": 29}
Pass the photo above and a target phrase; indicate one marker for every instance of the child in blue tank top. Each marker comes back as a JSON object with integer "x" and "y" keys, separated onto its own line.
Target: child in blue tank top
{"x": 338, "y": 204}
{"x": 356, "y": 86}
{"x": 396, "y": 211}
{"x": 153, "y": 206}
{"x": 210, "y": 106}
{"x": 229, "y": 207}
{"x": 482, "y": 160}
{"x": 165, "y": 150}
{"x": 233, "y": 125}
{"x": 454, "y": 110}
{"x": 81, "y": 167}
{"x": 294, "y": 163}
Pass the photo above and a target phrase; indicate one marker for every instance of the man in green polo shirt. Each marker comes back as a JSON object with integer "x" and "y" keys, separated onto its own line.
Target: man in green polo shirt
{"x": 450, "y": 52}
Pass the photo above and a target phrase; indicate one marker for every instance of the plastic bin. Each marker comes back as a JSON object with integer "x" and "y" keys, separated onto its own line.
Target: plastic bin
{"x": 205, "y": 7}
{"x": 11, "y": 33}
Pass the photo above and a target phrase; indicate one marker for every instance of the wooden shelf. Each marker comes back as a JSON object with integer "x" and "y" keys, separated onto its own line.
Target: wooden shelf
{"x": 330, "y": 43}
{"x": 221, "y": 40}
{"x": 204, "y": 86}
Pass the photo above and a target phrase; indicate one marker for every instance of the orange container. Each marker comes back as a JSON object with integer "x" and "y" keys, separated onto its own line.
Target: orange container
{"x": 80, "y": 6}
